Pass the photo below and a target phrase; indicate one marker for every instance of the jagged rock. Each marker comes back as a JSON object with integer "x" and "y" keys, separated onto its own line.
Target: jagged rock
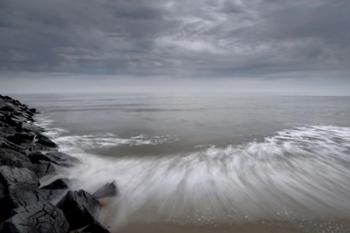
{"x": 94, "y": 227}
{"x": 16, "y": 198}
{"x": 6, "y": 130}
{"x": 19, "y": 138}
{"x": 2, "y": 102}
{"x": 2, "y": 191}
{"x": 79, "y": 207}
{"x": 14, "y": 177}
{"x": 10, "y": 120}
{"x": 37, "y": 156}
{"x": 13, "y": 158}
{"x": 55, "y": 157}
{"x": 107, "y": 190}
{"x": 7, "y": 144}
{"x": 61, "y": 159}
{"x": 41, "y": 217}
{"x": 60, "y": 183}
{"x": 7, "y": 107}
{"x": 44, "y": 168}
{"x": 21, "y": 197}
{"x": 45, "y": 141}
{"x": 24, "y": 207}
{"x": 22, "y": 117}
{"x": 31, "y": 128}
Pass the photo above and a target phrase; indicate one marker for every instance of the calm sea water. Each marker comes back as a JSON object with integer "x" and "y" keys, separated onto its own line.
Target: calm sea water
{"x": 209, "y": 163}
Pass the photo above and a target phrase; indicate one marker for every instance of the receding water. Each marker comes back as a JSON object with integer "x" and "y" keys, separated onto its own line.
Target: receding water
{"x": 209, "y": 163}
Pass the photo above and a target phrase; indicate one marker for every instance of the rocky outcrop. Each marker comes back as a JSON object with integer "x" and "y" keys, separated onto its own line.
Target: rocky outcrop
{"x": 41, "y": 217}
{"x": 61, "y": 183}
{"x": 79, "y": 207}
{"x": 107, "y": 190}
{"x": 26, "y": 156}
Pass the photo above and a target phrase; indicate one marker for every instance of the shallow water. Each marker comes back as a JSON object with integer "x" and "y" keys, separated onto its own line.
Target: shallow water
{"x": 209, "y": 163}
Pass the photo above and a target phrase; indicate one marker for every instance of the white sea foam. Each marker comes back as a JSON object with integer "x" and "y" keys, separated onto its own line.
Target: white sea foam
{"x": 46, "y": 123}
{"x": 74, "y": 143}
{"x": 296, "y": 174}
{"x": 87, "y": 142}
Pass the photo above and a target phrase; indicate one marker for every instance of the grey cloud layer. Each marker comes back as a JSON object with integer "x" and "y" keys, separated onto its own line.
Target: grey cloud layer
{"x": 175, "y": 37}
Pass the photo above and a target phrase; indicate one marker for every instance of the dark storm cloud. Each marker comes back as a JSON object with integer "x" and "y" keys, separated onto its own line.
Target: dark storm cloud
{"x": 175, "y": 37}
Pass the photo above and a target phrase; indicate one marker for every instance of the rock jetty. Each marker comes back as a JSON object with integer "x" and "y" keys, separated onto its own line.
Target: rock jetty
{"x": 26, "y": 157}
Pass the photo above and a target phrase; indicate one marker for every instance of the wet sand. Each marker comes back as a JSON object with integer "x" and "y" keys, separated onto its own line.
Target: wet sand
{"x": 262, "y": 227}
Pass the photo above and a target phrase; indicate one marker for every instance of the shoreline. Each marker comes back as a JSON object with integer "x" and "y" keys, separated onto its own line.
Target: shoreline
{"x": 151, "y": 195}
{"x": 27, "y": 158}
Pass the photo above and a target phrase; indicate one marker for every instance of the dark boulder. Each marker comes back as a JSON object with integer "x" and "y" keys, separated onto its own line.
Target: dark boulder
{"x": 55, "y": 157}
{"x": 33, "y": 110}
{"x": 14, "y": 180}
{"x": 10, "y": 120}
{"x": 20, "y": 138}
{"x": 61, "y": 159}
{"x": 6, "y": 130}
{"x": 44, "y": 168}
{"x": 107, "y": 190}
{"x": 37, "y": 156}
{"x": 94, "y": 227}
{"x": 21, "y": 197}
{"x": 79, "y": 207}
{"x": 61, "y": 183}
{"x": 14, "y": 177}
{"x": 9, "y": 145}
{"x": 13, "y": 158}
{"x": 28, "y": 127}
{"x": 41, "y": 217}
{"x": 16, "y": 198}
{"x": 3, "y": 190}
{"x": 7, "y": 107}
{"x": 45, "y": 141}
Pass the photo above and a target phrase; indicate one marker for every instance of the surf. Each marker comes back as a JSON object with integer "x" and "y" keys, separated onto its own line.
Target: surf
{"x": 293, "y": 175}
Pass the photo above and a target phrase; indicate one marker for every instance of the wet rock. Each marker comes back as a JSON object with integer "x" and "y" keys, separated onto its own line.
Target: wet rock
{"x": 37, "y": 156}
{"x": 41, "y": 217}
{"x": 61, "y": 159}
{"x": 60, "y": 183}
{"x": 33, "y": 110}
{"x": 44, "y": 168}
{"x": 2, "y": 192}
{"x": 94, "y": 227}
{"x": 14, "y": 177}
{"x": 45, "y": 141}
{"x": 24, "y": 207}
{"x": 55, "y": 157}
{"x": 79, "y": 207}
{"x": 9, "y": 145}
{"x": 107, "y": 190}
{"x": 6, "y": 130}
{"x": 31, "y": 128}
{"x": 21, "y": 197}
{"x": 20, "y": 138}
{"x": 14, "y": 180}
{"x": 10, "y": 120}
{"x": 13, "y": 158}
{"x": 7, "y": 107}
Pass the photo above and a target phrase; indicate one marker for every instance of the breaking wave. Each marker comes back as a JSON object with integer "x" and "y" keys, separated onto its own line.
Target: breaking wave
{"x": 106, "y": 140}
{"x": 74, "y": 143}
{"x": 296, "y": 174}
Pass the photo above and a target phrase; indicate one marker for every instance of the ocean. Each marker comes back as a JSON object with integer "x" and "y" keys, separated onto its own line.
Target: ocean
{"x": 208, "y": 163}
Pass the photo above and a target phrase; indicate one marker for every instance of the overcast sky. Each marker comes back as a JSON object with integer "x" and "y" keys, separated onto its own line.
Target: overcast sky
{"x": 271, "y": 41}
